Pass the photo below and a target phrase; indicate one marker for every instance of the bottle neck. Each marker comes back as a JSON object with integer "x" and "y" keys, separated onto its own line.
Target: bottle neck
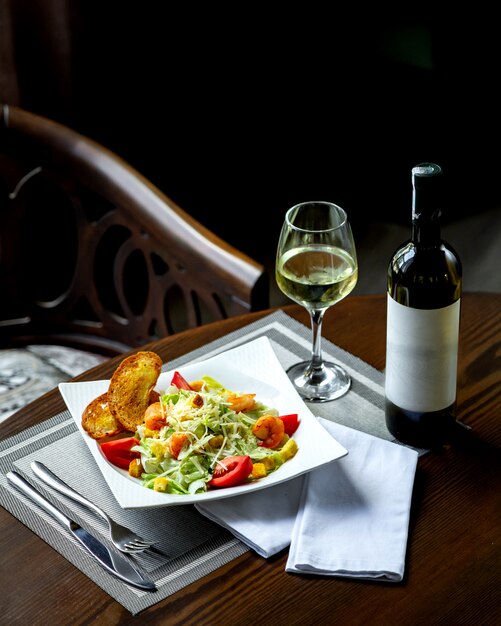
{"x": 426, "y": 232}
{"x": 426, "y": 204}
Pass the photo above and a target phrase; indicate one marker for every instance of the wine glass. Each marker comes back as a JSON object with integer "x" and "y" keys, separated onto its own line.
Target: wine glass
{"x": 316, "y": 266}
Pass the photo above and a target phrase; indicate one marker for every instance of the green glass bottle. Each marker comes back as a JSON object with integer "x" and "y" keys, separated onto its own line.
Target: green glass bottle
{"x": 424, "y": 297}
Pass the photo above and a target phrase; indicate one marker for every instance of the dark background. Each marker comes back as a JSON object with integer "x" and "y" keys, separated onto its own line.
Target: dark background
{"x": 239, "y": 114}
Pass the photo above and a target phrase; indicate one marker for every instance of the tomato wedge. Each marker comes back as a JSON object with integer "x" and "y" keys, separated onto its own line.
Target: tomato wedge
{"x": 119, "y": 451}
{"x": 291, "y": 422}
{"x": 233, "y": 470}
{"x": 180, "y": 382}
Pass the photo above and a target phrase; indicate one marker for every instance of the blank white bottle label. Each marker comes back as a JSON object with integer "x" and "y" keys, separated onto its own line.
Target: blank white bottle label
{"x": 421, "y": 356}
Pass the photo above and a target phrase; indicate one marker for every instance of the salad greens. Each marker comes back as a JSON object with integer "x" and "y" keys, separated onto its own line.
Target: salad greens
{"x": 195, "y": 430}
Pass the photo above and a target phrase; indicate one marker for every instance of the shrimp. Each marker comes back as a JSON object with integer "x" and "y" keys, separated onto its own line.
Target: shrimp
{"x": 176, "y": 443}
{"x": 154, "y": 416}
{"x": 244, "y": 402}
{"x": 270, "y": 430}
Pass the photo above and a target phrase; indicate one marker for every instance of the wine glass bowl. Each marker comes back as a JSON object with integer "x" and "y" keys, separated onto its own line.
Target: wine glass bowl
{"x": 316, "y": 266}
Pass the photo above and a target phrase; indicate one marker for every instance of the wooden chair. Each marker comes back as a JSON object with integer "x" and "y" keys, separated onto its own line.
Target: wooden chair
{"x": 93, "y": 256}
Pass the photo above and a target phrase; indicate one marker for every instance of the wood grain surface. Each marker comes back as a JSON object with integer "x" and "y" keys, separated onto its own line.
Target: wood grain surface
{"x": 453, "y": 562}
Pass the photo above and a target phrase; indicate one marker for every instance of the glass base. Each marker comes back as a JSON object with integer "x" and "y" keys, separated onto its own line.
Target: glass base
{"x": 325, "y": 383}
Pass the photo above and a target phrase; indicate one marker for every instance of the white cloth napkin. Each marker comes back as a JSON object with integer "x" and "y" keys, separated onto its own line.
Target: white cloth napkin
{"x": 263, "y": 519}
{"x": 348, "y": 518}
{"x": 353, "y": 518}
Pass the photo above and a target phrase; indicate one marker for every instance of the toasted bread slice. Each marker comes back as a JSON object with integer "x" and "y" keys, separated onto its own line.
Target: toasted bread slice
{"x": 97, "y": 419}
{"x": 130, "y": 388}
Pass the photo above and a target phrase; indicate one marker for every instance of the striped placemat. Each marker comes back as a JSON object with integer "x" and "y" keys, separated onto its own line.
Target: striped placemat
{"x": 191, "y": 545}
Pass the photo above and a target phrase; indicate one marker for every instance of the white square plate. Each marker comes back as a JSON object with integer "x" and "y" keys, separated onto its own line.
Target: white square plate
{"x": 250, "y": 368}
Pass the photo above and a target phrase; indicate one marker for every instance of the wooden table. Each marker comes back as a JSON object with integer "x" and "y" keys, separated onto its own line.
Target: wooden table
{"x": 453, "y": 558}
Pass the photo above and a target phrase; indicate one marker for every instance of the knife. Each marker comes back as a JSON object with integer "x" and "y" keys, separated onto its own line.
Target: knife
{"x": 112, "y": 562}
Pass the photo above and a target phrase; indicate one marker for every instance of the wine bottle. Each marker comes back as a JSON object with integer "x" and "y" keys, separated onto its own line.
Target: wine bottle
{"x": 423, "y": 314}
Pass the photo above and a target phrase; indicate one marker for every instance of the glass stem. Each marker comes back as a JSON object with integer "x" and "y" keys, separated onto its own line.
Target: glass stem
{"x": 316, "y": 326}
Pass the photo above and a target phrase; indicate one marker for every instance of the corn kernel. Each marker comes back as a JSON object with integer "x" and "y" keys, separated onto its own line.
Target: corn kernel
{"x": 160, "y": 483}
{"x": 197, "y": 385}
{"x": 258, "y": 470}
{"x": 158, "y": 449}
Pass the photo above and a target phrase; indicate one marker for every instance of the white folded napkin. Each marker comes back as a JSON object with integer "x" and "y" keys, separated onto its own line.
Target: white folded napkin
{"x": 263, "y": 519}
{"x": 347, "y": 518}
{"x": 353, "y": 518}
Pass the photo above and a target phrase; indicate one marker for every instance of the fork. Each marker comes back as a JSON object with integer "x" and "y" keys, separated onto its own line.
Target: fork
{"x": 123, "y": 538}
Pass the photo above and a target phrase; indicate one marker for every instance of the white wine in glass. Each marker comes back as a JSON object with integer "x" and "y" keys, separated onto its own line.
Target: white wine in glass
{"x": 316, "y": 266}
